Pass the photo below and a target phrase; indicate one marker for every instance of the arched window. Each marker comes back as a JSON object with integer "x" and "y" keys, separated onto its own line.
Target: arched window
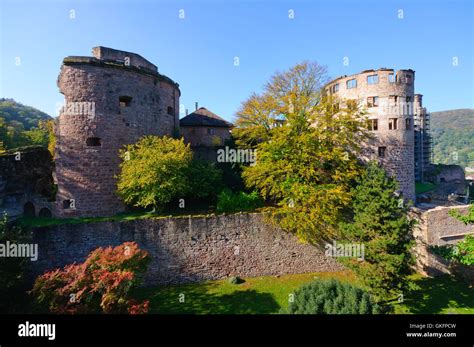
{"x": 45, "y": 212}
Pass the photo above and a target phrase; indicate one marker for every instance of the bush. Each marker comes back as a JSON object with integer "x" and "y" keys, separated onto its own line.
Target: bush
{"x": 153, "y": 171}
{"x": 101, "y": 284}
{"x": 12, "y": 269}
{"x": 331, "y": 297}
{"x": 463, "y": 252}
{"x": 204, "y": 180}
{"x": 228, "y": 201}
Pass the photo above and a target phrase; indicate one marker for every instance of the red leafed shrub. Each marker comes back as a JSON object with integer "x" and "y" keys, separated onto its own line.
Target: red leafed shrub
{"x": 101, "y": 284}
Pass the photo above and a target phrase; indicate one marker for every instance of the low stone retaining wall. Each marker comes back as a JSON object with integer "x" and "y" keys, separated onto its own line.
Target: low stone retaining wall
{"x": 437, "y": 228}
{"x": 188, "y": 249}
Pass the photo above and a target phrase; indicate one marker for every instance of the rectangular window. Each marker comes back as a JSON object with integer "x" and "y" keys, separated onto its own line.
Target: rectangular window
{"x": 351, "y": 83}
{"x": 211, "y": 131}
{"x": 373, "y": 79}
{"x": 407, "y": 79}
{"x": 125, "y": 101}
{"x": 382, "y": 152}
{"x": 372, "y": 101}
{"x": 373, "y": 124}
{"x": 391, "y": 78}
{"x": 93, "y": 142}
{"x": 335, "y": 88}
{"x": 408, "y": 123}
{"x": 392, "y": 123}
{"x": 393, "y": 99}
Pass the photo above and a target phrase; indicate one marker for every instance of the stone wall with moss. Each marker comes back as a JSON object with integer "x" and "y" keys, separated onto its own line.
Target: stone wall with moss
{"x": 188, "y": 249}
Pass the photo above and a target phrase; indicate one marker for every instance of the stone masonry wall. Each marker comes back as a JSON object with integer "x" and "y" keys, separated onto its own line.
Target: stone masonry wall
{"x": 436, "y": 228}
{"x": 123, "y": 103}
{"x": 188, "y": 249}
{"x": 200, "y": 136}
{"x": 399, "y": 158}
{"x": 25, "y": 177}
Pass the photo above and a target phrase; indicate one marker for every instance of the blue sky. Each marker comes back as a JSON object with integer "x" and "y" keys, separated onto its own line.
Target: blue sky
{"x": 198, "y": 51}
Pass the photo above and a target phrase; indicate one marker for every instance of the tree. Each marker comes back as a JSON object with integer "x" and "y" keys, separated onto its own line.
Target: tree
{"x": 466, "y": 219}
{"x": 48, "y": 126}
{"x": 204, "y": 180}
{"x": 306, "y": 148}
{"x": 153, "y": 171}
{"x": 102, "y": 284}
{"x": 255, "y": 120}
{"x": 462, "y": 252}
{"x": 381, "y": 224}
{"x": 13, "y": 269}
{"x": 307, "y": 166}
{"x": 287, "y": 94}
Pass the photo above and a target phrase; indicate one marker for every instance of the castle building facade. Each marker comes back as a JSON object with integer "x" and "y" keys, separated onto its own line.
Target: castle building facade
{"x": 205, "y": 128}
{"x": 396, "y": 118}
{"x": 111, "y": 99}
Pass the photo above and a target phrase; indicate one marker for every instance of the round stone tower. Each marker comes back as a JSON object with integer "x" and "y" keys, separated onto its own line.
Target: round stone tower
{"x": 111, "y": 99}
{"x": 388, "y": 97}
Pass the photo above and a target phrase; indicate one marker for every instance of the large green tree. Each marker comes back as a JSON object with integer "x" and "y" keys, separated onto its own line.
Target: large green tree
{"x": 154, "y": 171}
{"x": 381, "y": 224}
{"x": 304, "y": 165}
{"x": 287, "y": 94}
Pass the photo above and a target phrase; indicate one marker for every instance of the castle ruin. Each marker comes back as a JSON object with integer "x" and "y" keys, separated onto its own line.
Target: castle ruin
{"x": 114, "y": 97}
{"x": 397, "y": 119}
{"x": 111, "y": 99}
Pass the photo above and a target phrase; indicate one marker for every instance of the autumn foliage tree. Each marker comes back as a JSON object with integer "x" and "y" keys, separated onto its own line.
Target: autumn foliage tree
{"x": 154, "y": 171}
{"x": 102, "y": 284}
{"x": 288, "y": 93}
{"x": 306, "y": 164}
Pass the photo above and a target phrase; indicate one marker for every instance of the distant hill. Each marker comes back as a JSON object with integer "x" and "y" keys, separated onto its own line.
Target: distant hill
{"x": 15, "y": 114}
{"x": 453, "y": 137}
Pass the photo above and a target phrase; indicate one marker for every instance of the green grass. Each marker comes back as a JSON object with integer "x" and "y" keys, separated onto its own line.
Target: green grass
{"x": 258, "y": 295}
{"x": 424, "y": 187}
{"x": 35, "y": 222}
{"x": 267, "y": 295}
{"x": 196, "y": 211}
{"x": 439, "y": 295}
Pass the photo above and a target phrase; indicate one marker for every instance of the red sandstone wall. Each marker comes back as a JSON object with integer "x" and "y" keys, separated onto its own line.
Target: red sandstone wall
{"x": 87, "y": 173}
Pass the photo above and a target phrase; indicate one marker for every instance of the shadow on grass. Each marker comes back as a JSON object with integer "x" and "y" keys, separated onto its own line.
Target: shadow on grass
{"x": 199, "y": 299}
{"x": 441, "y": 293}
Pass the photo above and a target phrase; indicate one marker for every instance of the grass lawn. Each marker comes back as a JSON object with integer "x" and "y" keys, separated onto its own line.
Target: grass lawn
{"x": 36, "y": 222}
{"x": 424, "y": 187}
{"x": 442, "y": 294}
{"x": 267, "y": 295}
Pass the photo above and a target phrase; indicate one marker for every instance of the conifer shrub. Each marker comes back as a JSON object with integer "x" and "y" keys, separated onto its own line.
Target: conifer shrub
{"x": 331, "y": 297}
